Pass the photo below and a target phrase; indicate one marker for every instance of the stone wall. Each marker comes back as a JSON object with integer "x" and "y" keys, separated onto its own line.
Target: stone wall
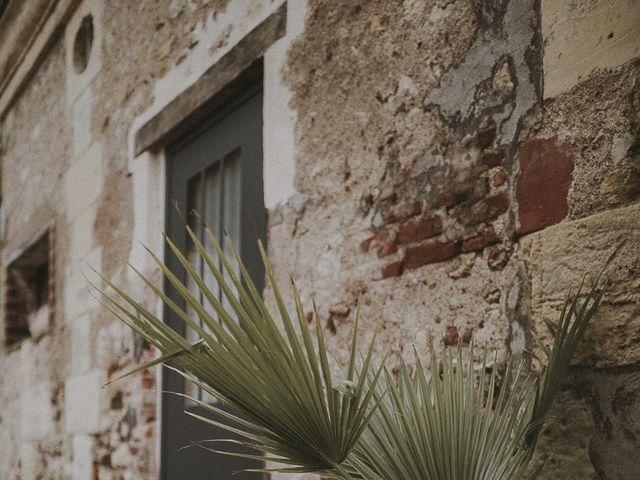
{"x": 459, "y": 165}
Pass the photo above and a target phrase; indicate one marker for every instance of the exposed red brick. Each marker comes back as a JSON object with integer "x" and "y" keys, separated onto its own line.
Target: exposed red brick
{"x": 451, "y": 336}
{"x": 147, "y": 382}
{"x": 498, "y": 203}
{"x": 499, "y": 178}
{"x": 478, "y": 242}
{"x": 387, "y": 248}
{"x": 431, "y": 252}
{"x": 546, "y": 168}
{"x": 394, "y": 269}
{"x": 419, "y": 229}
{"x": 492, "y": 159}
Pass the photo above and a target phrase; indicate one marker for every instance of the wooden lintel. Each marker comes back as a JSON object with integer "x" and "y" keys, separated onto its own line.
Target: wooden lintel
{"x": 216, "y": 85}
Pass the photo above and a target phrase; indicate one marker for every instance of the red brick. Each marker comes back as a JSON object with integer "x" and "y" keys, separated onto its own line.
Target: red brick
{"x": 478, "y": 242}
{"x": 381, "y": 243}
{"x": 394, "y": 269}
{"x": 419, "y": 229}
{"x": 492, "y": 159}
{"x": 387, "y": 248}
{"x": 546, "y": 168}
{"x": 431, "y": 252}
{"x": 499, "y": 178}
{"x": 498, "y": 203}
{"x": 451, "y": 336}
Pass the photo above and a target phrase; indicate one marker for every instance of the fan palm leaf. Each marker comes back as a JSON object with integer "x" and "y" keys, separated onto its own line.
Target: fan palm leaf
{"x": 284, "y": 397}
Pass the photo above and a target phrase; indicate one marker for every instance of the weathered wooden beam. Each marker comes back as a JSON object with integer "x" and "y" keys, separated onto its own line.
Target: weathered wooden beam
{"x": 236, "y": 70}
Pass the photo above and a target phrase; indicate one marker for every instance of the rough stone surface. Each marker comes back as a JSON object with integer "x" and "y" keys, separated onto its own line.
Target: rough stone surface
{"x": 558, "y": 258}
{"x": 434, "y": 180}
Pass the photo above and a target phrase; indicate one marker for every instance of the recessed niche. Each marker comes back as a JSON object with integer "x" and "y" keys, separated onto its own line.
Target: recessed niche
{"x": 82, "y": 44}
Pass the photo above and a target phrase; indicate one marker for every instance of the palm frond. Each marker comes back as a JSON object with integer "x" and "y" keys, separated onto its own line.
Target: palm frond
{"x": 282, "y": 395}
{"x": 568, "y": 333}
{"x": 456, "y": 425}
{"x": 275, "y": 377}
{"x": 452, "y": 425}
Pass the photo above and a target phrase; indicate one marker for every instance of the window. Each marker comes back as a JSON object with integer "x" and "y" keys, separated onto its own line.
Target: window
{"x": 28, "y": 306}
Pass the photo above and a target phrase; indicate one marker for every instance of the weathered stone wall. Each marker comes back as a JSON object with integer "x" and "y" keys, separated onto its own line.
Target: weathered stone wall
{"x": 466, "y": 184}
{"x": 459, "y": 165}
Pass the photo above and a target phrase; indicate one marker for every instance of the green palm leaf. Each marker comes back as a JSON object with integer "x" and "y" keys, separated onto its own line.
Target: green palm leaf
{"x": 459, "y": 425}
{"x": 284, "y": 398}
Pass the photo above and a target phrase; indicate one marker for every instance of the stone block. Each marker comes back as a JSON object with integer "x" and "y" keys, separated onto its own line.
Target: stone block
{"x": 37, "y": 418}
{"x": 82, "y": 467}
{"x": 82, "y": 235}
{"x": 81, "y": 122}
{"x": 84, "y": 402}
{"x": 82, "y": 345}
{"x": 558, "y": 257}
{"x": 563, "y": 446}
{"x": 582, "y": 36}
{"x": 31, "y": 464}
{"x": 83, "y": 181}
{"x": 77, "y": 298}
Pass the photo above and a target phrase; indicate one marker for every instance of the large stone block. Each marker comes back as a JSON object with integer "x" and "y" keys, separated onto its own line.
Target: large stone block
{"x": 582, "y": 36}
{"x": 557, "y": 259}
{"x": 31, "y": 464}
{"x": 77, "y": 296}
{"x": 83, "y": 181}
{"x": 82, "y": 467}
{"x": 84, "y": 402}
{"x": 37, "y": 416}
{"x": 82, "y": 345}
{"x": 81, "y": 112}
{"x": 594, "y": 427}
{"x": 563, "y": 447}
